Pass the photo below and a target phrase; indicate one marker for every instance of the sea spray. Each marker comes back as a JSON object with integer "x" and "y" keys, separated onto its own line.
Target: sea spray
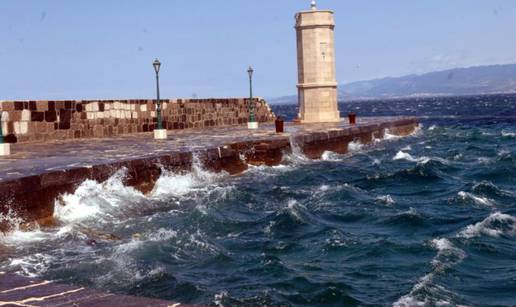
{"x": 94, "y": 200}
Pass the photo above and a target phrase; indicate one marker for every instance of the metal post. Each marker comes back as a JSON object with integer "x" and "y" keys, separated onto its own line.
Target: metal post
{"x": 158, "y": 104}
{"x": 251, "y": 104}
{"x": 1, "y": 131}
{"x": 5, "y": 148}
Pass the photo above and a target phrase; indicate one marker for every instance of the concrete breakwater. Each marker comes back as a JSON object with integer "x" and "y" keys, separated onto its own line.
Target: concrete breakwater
{"x": 29, "y": 121}
{"x": 33, "y": 178}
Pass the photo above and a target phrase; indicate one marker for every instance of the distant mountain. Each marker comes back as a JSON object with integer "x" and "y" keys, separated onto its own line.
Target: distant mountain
{"x": 453, "y": 82}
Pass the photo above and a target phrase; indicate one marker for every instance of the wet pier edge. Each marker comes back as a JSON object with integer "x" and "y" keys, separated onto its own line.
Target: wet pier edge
{"x": 38, "y": 173}
{"x": 21, "y": 291}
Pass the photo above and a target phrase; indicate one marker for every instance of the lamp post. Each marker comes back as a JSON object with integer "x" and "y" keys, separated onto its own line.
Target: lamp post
{"x": 5, "y": 148}
{"x": 251, "y": 124}
{"x": 159, "y": 133}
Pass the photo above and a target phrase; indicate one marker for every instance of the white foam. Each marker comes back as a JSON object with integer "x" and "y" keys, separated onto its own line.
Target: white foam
{"x": 447, "y": 256}
{"x": 355, "y": 146}
{"x": 293, "y": 208}
{"x": 95, "y": 200}
{"x": 385, "y": 199}
{"x": 296, "y": 155}
{"x": 32, "y": 265}
{"x": 490, "y": 226}
{"x": 508, "y": 134}
{"x": 331, "y": 156}
{"x": 162, "y": 235}
{"x": 17, "y": 236}
{"x": 401, "y": 155}
{"x": 433, "y": 127}
{"x": 482, "y": 201}
{"x": 389, "y": 136}
{"x": 177, "y": 185}
{"x": 484, "y": 160}
{"x": 324, "y": 188}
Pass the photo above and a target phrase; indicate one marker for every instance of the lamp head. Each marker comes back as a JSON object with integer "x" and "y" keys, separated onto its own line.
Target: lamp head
{"x": 250, "y": 71}
{"x": 156, "y": 65}
{"x": 313, "y": 5}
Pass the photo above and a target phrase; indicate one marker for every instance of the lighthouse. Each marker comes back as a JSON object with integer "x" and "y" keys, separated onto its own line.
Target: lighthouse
{"x": 317, "y": 84}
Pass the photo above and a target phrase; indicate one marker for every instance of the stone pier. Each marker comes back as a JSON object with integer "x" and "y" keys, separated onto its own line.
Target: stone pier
{"x": 37, "y": 173}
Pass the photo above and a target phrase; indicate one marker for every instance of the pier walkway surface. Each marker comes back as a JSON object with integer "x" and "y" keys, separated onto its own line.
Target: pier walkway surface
{"x": 17, "y": 291}
{"x": 37, "y": 158}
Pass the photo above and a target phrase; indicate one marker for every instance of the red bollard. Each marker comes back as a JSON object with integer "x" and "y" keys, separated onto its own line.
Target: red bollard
{"x": 352, "y": 118}
{"x": 279, "y": 125}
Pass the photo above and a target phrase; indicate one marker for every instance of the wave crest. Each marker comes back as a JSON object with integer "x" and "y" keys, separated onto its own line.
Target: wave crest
{"x": 495, "y": 225}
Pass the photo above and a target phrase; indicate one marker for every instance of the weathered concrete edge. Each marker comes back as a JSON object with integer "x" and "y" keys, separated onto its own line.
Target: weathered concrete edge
{"x": 33, "y": 197}
{"x": 22, "y": 291}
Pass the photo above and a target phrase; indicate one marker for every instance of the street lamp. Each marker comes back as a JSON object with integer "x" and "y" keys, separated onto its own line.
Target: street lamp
{"x": 251, "y": 124}
{"x": 159, "y": 133}
{"x": 5, "y": 148}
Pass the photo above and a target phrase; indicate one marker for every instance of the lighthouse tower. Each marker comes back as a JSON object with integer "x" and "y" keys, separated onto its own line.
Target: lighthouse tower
{"x": 317, "y": 84}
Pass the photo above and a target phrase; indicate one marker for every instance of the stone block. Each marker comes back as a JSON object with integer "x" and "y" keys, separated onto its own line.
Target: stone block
{"x": 5, "y": 149}
{"x": 94, "y": 106}
{"x": 4, "y": 116}
{"x": 39, "y": 127}
{"x": 19, "y": 105}
{"x": 15, "y": 116}
{"x": 160, "y": 134}
{"x": 65, "y": 115}
{"x": 7, "y": 106}
{"x": 50, "y": 116}
{"x": 10, "y": 138}
{"x": 98, "y": 131}
{"x": 64, "y": 125}
{"x": 37, "y": 116}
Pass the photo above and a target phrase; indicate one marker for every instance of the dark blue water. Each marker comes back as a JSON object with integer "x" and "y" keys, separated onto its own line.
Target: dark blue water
{"x": 427, "y": 220}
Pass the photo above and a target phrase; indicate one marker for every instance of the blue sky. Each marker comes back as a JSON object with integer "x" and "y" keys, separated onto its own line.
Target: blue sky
{"x": 62, "y": 49}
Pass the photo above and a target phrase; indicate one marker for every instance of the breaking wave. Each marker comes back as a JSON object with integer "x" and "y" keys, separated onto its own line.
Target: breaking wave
{"x": 478, "y": 200}
{"x": 495, "y": 225}
{"x": 94, "y": 200}
{"x": 426, "y": 292}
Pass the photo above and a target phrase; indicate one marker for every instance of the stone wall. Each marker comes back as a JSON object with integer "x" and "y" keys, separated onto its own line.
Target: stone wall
{"x": 29, "y": 121}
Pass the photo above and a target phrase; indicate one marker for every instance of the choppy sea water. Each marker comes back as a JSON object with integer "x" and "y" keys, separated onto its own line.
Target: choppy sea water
{"x": 427, "y": 220}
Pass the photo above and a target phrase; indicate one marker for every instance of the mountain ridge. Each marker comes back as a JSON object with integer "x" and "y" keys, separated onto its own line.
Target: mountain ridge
{"x": 475, "y": 80}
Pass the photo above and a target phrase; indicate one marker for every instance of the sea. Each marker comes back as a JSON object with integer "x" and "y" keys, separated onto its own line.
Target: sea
{"x": 424, "y": 220}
